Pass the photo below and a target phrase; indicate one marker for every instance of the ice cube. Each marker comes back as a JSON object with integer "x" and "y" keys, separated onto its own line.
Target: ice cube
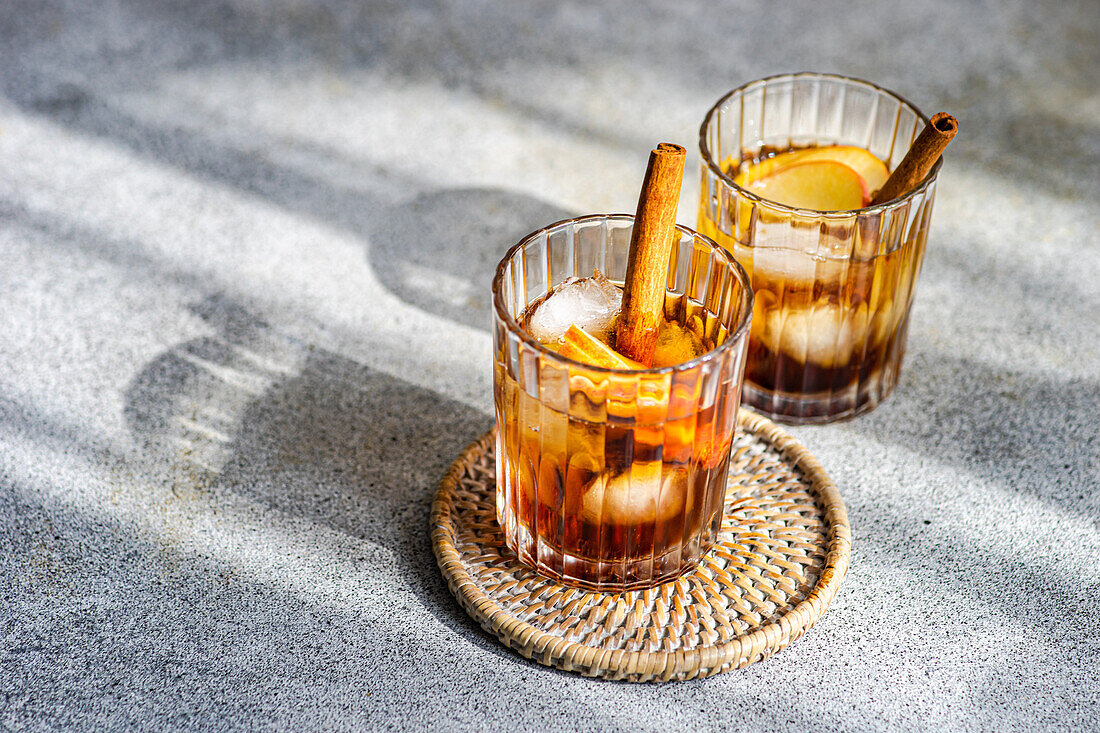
{"x": 827, "y": 334}
{"x": 642, "y": 495}
{"x": 592, "y": 303}
{"x": 675, "y": 345}
{"x": 796, "y": 269}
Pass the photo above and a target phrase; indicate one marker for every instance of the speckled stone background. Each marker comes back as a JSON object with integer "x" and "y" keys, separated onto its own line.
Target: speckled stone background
{"x": 245, "y": 251}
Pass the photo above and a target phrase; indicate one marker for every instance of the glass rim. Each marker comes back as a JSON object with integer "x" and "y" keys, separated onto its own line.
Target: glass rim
{"x": 734, "y": 337}
{"x": 708, "y": 158}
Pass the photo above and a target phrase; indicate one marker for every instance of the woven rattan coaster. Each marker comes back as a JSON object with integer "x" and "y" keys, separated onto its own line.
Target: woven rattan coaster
{"x": 779, "y": 559}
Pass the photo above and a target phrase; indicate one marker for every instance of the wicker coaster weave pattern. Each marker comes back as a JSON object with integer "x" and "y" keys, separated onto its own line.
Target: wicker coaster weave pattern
{"x": 781, "y": 554}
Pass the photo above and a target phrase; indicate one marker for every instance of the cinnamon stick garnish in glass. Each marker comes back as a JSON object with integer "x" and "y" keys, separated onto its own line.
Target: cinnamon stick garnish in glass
{"x": 650, "y": 249}
{"x": 924, "y": 153}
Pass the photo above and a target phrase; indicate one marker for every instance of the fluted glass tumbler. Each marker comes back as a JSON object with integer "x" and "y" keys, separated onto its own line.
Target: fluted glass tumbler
{"x": 833, "y": 289}
{"x": 613, "y": 479}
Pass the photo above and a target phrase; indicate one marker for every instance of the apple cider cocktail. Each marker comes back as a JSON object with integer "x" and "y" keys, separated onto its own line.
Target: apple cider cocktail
{"x": 790, "y": 165}
{"x": 611, "y": 474}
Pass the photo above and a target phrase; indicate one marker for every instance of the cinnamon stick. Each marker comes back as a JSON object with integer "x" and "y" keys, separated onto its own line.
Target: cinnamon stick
{"x": 650, "y": 249}
{"x": 924, "y": 153}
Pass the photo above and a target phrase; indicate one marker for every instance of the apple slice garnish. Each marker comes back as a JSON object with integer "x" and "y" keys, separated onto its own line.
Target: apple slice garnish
{"x": 872, "y": 170}
{"x": 821, "y": 185}
{"x": 582, "y": 346}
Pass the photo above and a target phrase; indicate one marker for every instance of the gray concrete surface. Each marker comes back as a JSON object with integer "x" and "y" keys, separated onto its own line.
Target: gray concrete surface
{"x": 245, "y": 248}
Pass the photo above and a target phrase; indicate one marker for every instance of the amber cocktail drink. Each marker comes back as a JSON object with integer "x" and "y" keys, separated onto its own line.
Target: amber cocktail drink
{"x": 611, "y": 476}
{"x": 790, "y": 164}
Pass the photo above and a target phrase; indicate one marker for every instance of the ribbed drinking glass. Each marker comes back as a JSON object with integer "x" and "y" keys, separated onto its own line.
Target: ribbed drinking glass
{"x": 612, "y": 479}
{"x": 833, "y": 289}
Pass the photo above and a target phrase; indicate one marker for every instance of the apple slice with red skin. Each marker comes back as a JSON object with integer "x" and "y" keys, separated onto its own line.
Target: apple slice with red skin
{"x": 820, "y": 185}
{"x": 872, "y": 170}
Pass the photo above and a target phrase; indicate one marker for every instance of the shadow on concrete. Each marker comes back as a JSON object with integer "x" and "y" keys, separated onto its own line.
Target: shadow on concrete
{"x": 302, "y": 430}
{"x": 117, "y": 630}
{"x": 1027, "y": 435}
{"x": 440, "y": 250}
{"x": 309, "y": 434}
{"x": 435, "y": 249}
{"x": 1032, "y": 435}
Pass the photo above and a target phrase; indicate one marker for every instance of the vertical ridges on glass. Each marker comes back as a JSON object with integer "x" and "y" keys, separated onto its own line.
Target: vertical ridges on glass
{"x": 872, "y": 121}
{"x": 894, "y": 138}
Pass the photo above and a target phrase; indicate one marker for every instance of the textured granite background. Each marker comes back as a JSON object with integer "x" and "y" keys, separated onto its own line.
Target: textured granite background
{"x": 245, "y": 250}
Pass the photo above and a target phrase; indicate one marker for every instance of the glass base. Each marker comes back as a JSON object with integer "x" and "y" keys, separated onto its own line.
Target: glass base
{"x": 804, "y": 409}
{"x": 616, "y": 577}
{"x": 607, "y": 576}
